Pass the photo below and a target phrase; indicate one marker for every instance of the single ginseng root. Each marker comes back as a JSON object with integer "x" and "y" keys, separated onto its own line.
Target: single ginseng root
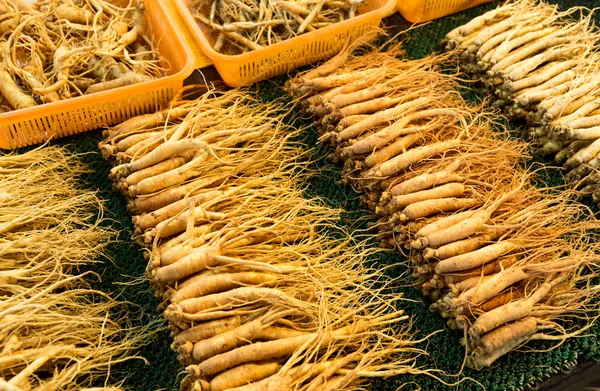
{"x": 55, "y": 332}
{"x": 491, "y": 250}
{"x": 256, "y": 288}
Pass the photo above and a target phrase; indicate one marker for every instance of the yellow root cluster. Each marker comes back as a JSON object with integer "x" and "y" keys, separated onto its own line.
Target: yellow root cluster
{"x": 541, "y": 65}
{"x": 240, "y": 26}
{"x": 55, "y": 332}
{"x": 56, "y": 50}
{"x": 258, "y": 293}
{"x": 499, "y": 257}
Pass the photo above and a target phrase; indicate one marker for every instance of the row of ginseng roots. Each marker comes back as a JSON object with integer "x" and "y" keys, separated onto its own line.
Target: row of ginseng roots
{"x": 258, "y": 293}
{"x": 541, "y": 65}
{"x": 502, "y": 260}
{"x": 56, "y": 333}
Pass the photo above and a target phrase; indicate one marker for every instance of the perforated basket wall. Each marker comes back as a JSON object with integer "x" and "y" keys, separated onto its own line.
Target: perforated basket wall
{"x": 424, "y": 10}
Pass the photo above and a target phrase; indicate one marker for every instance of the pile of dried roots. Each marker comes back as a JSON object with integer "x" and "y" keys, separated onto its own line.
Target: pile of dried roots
{"x": 503, "y": 260}
{"x": 55, "y": 332}
{"x": 257, "y": 292}
{"x": 541, "y": 65}
{"x": 241, "y": 26}
{"x": 56, "y": 50}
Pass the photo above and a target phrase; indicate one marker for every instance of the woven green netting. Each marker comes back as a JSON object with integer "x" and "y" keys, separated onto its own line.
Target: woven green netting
{"x": 515, "y": 371}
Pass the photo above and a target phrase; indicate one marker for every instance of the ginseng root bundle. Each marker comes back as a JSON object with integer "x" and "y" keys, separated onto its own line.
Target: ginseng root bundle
{"x": 240, "y": 26}
{"x": 258, "y": 293}
{"x": 501, "y": 259}
{"x": 56, "y": 50}
{"x": 541, "y": 65}
{"x": 55, "y": 332}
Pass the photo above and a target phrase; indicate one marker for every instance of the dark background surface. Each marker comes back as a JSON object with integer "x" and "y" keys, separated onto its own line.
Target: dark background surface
{"x": 515, "y": 371}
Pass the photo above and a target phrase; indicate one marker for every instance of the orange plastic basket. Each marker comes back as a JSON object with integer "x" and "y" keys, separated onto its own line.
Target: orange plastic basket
{"x": 37, "y": 124}
{"x": 423, "y": 10}
{"x": 282, "y": 57}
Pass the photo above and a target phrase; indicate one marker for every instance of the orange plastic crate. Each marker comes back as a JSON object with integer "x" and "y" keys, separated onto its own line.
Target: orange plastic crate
{"x": 282, "y": 57}
{"x": 424, "y": 10}
{"x": 37, "y": 124}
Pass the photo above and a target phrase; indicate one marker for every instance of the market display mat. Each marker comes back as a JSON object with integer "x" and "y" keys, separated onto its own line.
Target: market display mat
{"x": 535, "y": 366}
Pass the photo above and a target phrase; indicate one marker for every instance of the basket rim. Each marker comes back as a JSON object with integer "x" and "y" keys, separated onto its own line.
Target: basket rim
{"x": 386, "y": 8}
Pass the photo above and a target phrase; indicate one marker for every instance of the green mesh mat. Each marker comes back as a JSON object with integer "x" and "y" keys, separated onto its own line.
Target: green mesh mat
{"x": 515, "y": 371}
